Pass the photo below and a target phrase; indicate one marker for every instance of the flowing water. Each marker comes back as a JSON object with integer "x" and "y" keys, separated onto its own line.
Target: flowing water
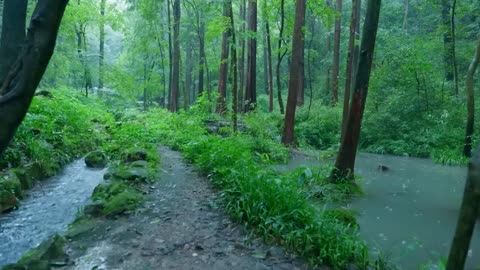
{"x": 49, "y": 207}
{"x": 409, "y": 212}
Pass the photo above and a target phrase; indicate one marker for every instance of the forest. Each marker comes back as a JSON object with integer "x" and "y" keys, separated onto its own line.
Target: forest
{"x": 239, "y": 134}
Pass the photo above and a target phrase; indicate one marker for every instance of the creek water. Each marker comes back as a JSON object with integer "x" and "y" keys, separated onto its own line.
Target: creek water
{"x": 409, "y": 212}
{"x": 48, "y": 208}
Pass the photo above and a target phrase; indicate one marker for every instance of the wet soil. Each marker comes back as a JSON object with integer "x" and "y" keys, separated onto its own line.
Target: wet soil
{"x": 180, "y": 226}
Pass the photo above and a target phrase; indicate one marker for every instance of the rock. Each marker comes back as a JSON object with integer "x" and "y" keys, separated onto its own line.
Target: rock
{"x": 29, "y": 174}
{"x": 134, "y": 174}
{"x": 136, "y": 154}
{"x": 79, "y": 228}
{"x": 10, "y": 190}
{"x": 50, "y": 252}
{"x": 383, "y": 168}
{"x": 96, "y": 159}
{"x": 139, "y": 164}
{"x": 44, "y": 93}
{"x": 8, "y": 201}
{"x": 95, "y": 209}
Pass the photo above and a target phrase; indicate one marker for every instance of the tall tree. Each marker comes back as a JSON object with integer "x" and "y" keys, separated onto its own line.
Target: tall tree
{"x": 467, "y": 150}
{"x": 269, "y": 59}
{"x": 351, "y": 52}
{"x": 170, "y": 54}
{"x": 176, "y": 56}
{"x": 280, "y": 56}
{"x": 102, "y": 45}
{"x": 80, "y": 29}
{"x": 18, "y": 88}
{"x": 447, "y": 40}
{"x": 295, "y": 73}
{"x": 223, "y": 72}
{"x": 233, "y": 69}
{"x": 241, "y": 64}
{"x": 13, "y": 33}
{"x": 336, "y": 52}
{"x": 454, "y": 56}
{"x": 251, "y": 84}
{"x": 345, "y": 162}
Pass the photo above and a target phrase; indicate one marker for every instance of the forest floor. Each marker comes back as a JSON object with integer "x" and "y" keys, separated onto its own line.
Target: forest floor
{"x": 179, "y": 227}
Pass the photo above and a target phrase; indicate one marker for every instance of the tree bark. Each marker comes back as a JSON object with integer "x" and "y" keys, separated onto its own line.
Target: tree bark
{"x": 270, "y": 68}
{"x": 345, "y": 162}
{"x": 467, "y": 150}
{"x": 447, "y": 40}
{"x": 223, "y": 71}
{"x": 454, "y": 53}
{"x": 188, "y": 72}
{"x": 81, "y": 51}
{"x": 336, "y": 52}
{"x": 13, "y": 33}
{"x": 233, "y": 69}
{"x": 348, "y": 74}
{"x": 101, "y": 59}
{"x": 170, "y": 54}
{"x": 280, "y": 56}
{"x": 176, "y": 56}
{"x": 251, "y": 82}
{"x": 18, "y": 88}
{"x": 241, "y": 64}
{"x": 294, "y": 83}
{"x": 356, "y": 48}
{"x": 202, "y": 60}
{"x": 467, "y": 218}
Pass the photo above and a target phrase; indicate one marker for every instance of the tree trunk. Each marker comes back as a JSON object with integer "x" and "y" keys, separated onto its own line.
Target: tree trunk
{"x": 18, "y": 88}
{"x": 233, "y": 68}
{"x": 202, "y": 59}
{"x": 101, "y": 59}
{"x": 301, "y": 75}
{"x": 81, "y": 51}
{"x": 223, "y": 72}
{"x": 356, "y": 48}
{"x": 469, "y": 212}
{"x": 345, "y": 162}
{"x": 454, "y": 56}
{"x": 13, "y": 33}
{"x": 467, "y": 150}
{"x": 280, "y": 56}
{"x": 188, "y": 72}
{"x": 265, "y": 63}
{"x": 295, "y": 73}
{"x": 447, "y": 40}
{"x": 270, "y": 71}
{"x": 405, "y": 17}
{"x": 348, "y": 74}
{"x": 176, "y": 56}
{"x": 251, "y": 85}
{"x": 170, "y": 54}
{"x": 336, "y": 52}
{"x": 241, "y": 64}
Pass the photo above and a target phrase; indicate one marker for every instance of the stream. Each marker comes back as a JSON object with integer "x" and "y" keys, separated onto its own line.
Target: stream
{"x": 409, "y": 212}
{"x": 47, "y": 209}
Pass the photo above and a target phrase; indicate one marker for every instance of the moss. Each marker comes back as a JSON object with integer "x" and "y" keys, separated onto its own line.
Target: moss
{"x": 96, "y": 159}
{"x": 80, "y": 227}
{"x": 105, "y": 191}
{"x": 122, "y": 202}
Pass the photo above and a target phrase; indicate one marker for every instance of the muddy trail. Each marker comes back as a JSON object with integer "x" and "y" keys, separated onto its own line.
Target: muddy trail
{"x": 179, "y": 227}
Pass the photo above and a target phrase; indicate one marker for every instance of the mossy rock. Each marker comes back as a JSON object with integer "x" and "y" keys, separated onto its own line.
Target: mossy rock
{"x": 136, "y": 154}
{"x": 8, "y": 201}
{"x": 130, "y": 174}
{"x": 121, "y": 203}
{"x": 10, "y": 190}
{"x": 80, "y": 227}
{"x": 105, "y": 191}
{"x": 94, "y": 209}
{"x": 96, "y": 159}
{"x": 29, "y": 174}
{"x": 139, "y": 164}
{"x": 47, "y": 254}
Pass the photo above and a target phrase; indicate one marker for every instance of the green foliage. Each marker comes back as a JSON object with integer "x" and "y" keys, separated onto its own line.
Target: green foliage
{"x": 57, "y": 130}
{"x": 122, "y": 202}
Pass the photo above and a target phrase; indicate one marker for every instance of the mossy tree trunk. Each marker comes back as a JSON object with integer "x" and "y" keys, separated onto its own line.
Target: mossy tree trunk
{"x": 467, "y": 149}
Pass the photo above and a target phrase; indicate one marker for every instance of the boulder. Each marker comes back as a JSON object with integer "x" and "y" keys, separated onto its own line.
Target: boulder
{"x": 29, "y": 174}
{"x": 136, "y": 154}
{"x": 139, "y": 164}
{"x": 133, "y": 174}
{"x": 96, "y": 159}
{"x": 94, "y": 209}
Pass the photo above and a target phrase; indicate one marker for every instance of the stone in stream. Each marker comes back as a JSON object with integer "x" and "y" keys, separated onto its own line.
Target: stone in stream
{"x": 10, "y": 190}
{"x": 136, "y": 154}
{"x": 96, "y": 159}
{"x": 47, "y": 254}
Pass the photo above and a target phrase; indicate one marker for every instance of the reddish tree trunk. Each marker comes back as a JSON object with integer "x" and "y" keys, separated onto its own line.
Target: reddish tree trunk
{"x": 295, "y": 79}
{"x": 345, "y": 162}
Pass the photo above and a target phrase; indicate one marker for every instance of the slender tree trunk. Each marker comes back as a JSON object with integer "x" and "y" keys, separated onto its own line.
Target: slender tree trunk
{"x": 467, "y": 150}
{"x": 81, "y": 51}
{"x": 265, "y": 63}
{"x": 270, "y": 68}
{"x": 301, "y": 75}
{"x": 241, "y": 64}
{"x": 405, "y": 17}
{"x": 188, "y": 72}
{"x": 170, "y": 55}
{"x": 18, "y": 88}
{"x": 176, "y": 56}
{"x": 336, "y": 52}
{"x": 294, "y": 83}
{"x": 454, "y": 56}
{"x": 202, "y": 59}
{"x": 309, "y": 62}
{"x": 101, "y": 59}
{"x": 251, "y": 85}
{"x": 447, "y": 40}
{"x": 348, "y": 74}
{"x": 223, "y": 72}
{"x": 13, "y": 33}
{"x": 233, "y": 68}
{"x": 345, "y": 162}
{"x": 467, "y": 218}
{"x": 356, "y": 48}
{"x": 280, "y": 56}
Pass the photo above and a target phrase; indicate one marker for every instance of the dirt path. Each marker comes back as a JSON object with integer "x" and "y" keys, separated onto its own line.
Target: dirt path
{"x": 179, "y": 228}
